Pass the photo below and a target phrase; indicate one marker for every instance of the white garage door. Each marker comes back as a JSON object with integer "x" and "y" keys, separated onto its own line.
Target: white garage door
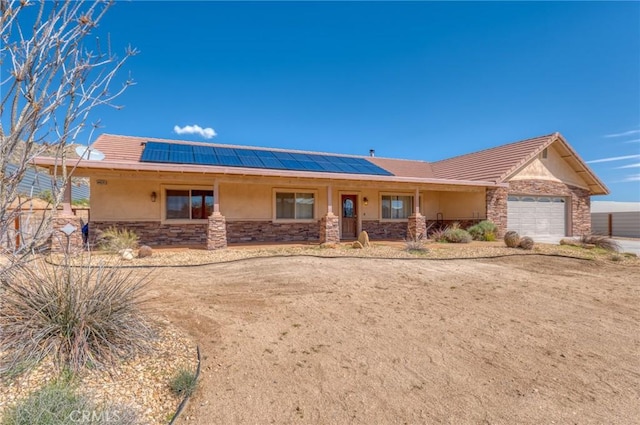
{"x": 536, "y": 215}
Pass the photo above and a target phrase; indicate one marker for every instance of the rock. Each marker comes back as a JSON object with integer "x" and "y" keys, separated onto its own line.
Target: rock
{"x": 526, "y": 243}
{"x": 363, "y": 238}
{"x": 145, "y": 251}
{"x": 127, "y": 254}
{"x": 357, "y": 245}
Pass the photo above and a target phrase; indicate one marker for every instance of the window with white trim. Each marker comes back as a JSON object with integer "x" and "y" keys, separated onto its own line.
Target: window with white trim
{"x": 188, "y": 204}
{"x": 295, "y": 206}
{"x": 396, "y": 207}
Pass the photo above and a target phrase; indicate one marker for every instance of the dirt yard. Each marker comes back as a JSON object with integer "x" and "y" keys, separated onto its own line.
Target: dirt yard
{"x": 517, "y": 340}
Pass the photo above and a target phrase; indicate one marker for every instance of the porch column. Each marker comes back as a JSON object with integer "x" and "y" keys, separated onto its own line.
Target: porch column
{"x": 416, "y": 224}
{"x": 496, "y": 204}
{"x": 329, "y": 223}
{"x": 67, "y": 227}
{"x": 217, "y": 225}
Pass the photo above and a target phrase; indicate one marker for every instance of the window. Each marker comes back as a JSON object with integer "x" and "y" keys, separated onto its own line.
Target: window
{"x": 189, "y": 204}
{"x": 294, "y": 206}
{"x": 397, "y": 207}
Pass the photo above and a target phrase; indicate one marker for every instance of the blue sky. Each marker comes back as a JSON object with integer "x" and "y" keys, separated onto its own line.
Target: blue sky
{"x": 418, "y": 80}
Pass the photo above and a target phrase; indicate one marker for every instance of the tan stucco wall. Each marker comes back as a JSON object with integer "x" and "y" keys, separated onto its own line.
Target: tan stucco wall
{"x": 553, "y": 168}
{"x": 453, "y": 205}
{"x": 125, "y": 200}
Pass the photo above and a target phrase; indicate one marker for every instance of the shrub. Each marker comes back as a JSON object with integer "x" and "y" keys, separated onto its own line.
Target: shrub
{"x": 438, "y": 234}
{"x": 58, "y": 403}
{"x": 484, "y": 231}
{"x": 457, "y": 235}
{"x": 115, "y": 240}
{"x": 600, "y": 242}
{"x": 82, "y": 316}
{"x": 53, "y": 404}
{"x": 415, "y": 245}
{"x": 512, "y": 239}
{"x": 526, "y": 243}
{"x": 184, "y": 383}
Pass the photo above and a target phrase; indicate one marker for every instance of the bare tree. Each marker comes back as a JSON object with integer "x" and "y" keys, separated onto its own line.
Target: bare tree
{"x": 53, "y": 73}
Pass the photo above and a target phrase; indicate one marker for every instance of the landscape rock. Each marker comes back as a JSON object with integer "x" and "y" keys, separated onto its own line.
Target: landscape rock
{"x": 127, "y": 254}
{"x": 363, "y": 238}
{"x": 145, "y": 251}
{"x": 357, "y": 245}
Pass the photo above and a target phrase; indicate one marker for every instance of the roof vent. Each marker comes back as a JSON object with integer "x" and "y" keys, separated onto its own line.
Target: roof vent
{"x": 372, "y": 152}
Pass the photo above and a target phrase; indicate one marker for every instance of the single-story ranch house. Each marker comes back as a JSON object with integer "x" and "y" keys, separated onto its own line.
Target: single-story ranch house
{"x": 185, "y": 193}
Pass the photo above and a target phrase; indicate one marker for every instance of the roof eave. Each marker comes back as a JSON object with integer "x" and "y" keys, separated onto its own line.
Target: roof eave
{"x": 89, "y": 166}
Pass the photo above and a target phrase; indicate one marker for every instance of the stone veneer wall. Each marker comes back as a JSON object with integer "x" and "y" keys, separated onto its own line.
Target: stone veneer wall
{"x": 579, "y": 205}
{"x": 59, "y": 241}
{"x": 385, "y": 230}
{"x": 268, "y": 231}
{"x": 497, "y": 208}
{"x": 154, "y": 233}
{"x": 330, "y": 229}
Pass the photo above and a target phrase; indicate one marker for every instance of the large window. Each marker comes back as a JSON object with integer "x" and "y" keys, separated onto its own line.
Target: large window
{"x": 294, "y": 206}
{"x": 397, "y": 206}
{"x": 189, "y": 204}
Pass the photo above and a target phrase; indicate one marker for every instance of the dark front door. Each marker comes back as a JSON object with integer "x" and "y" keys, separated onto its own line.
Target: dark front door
{"x": 349, "y": 216}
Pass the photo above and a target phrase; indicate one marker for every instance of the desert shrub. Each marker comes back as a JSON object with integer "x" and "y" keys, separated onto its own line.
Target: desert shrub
{"x": 82, "y": 316}
{"x": 526, "y": 243}
{"x": 115, "y": 240}
{"x": 600, "y": 242}
{"x": 59, "y": 403}
{"x": 512, "y": 239}
{"x": 53, "y": 404}
{"x": 484, "y": 231}
{"x": 457, "y": 235}
{"x": 438, "y": 234}
{"x": 415, "y": 245}
{"x": 183, "y": 383}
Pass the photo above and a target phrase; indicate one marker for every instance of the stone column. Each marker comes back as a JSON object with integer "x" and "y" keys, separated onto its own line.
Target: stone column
{"x": 62, "y": 225}
{"x": 496, "y": 204}
{"x": 417, "y": 227}
{"x": 217, "y": 232}
{"x": 329, "y": 229}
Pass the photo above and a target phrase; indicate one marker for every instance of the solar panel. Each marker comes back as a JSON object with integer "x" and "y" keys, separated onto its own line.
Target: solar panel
{"x": 178, "y": 153}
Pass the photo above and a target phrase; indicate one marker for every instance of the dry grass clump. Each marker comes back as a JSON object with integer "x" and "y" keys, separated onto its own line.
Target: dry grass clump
{"x": 600, "y": 241}
{"x": 115, "y": 240}
{"x": 82, "y": 316}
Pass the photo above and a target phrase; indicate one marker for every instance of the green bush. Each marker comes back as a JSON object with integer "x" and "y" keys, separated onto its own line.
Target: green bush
{"x": 82, "y": 315}
{"x": 457, "y": 235}
{"x": 484, "y": 231}
{"x": 53, "y": 404}
{"x": 58, "y": 403}
{"x": 115, "y": 240}
{"x": 183, "y": 383}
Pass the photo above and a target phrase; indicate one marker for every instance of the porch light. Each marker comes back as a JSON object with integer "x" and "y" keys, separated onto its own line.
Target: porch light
{"x": 154, "y": 196}
{"x": 365, "y": 201}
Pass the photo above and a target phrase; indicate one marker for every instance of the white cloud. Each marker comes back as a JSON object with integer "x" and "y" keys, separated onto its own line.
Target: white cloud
{"x": 632, "y": 178}
{"x": 632, "y": 141}
{"x": 626, "y": 133}
{"x": 207, "y": 133}
{"x": 613, "y": 158}
{"x": 636, "y": 165}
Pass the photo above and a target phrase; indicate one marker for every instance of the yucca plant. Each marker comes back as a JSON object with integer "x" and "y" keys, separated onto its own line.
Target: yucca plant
{"x": 85, "y": 315}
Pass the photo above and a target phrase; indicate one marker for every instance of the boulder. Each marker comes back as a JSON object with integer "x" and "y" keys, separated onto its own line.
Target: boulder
{"x": 357, "y": 245}
{"x": 363, "y": 238}
{"x": 145, "y": 251}
{"x": 127, "y": 254}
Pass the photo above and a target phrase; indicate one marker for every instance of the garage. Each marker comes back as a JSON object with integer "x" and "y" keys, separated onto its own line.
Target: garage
{"x": 537, "y": 215}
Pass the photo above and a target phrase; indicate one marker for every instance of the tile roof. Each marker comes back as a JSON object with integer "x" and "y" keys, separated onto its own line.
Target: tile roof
{"x": 493, "y": 164}
{"x": 489, "y": 167}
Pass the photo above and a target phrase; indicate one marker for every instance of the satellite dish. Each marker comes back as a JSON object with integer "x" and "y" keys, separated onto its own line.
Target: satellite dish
{"x": 90, "y": 154}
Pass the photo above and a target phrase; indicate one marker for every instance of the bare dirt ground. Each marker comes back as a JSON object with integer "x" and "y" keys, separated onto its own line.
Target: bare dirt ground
{"x": 515, "y": 340}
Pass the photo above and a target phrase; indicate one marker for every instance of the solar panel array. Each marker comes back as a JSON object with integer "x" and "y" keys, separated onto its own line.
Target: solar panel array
{"x": 255, "y": 158}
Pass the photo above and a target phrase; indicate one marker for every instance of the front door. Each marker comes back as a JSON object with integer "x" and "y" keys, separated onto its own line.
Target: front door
{"x": 349, "y": 216}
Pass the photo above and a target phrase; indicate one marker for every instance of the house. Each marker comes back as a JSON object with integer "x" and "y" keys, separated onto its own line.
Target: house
{"x": 185, "y": 193}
